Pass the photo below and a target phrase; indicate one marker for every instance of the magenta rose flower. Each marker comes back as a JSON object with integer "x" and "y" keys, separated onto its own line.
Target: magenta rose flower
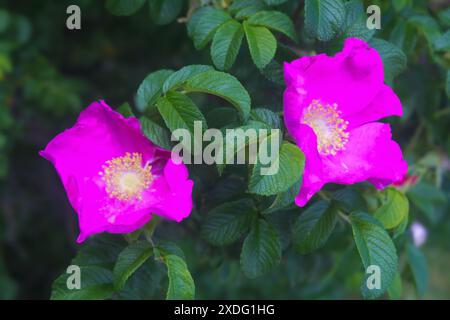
{"x": 330, "y": 108}
{"x": 116, "y": 178}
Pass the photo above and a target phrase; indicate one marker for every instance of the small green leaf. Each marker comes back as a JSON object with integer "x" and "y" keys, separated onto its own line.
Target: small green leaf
{"x": 394, "y": 208}
{"x": 266, "y": 116}
{"x": 418, "y": 265}
{"x": 314, "y": 226}
{"x": 96, "y": 284}
{"x": 204, "y": 23}
{"x": 324, "y": 19}
{"x": 228, "y": 222}
{"x": 261, "y": 250}
{"x": 442, "y": 43}
{"x": 129, "y": 260}
{"x": 262, "y": 44}
{"x": 181, "y": 285}
{"x": 222, "y": 85}
{"x": 356, "y": 21}
{"x": 125, "y": 110}
{"x": 156, "y": 133}
{"x": 123, "y": 7}
{"x": 274, "y": 2}
{"x": 275, "y": 21}
{"x": 226, "y": 44}
{"x": 150, "y": 89}
{"x": 242, "y": 9}
{"x": 164, "y": 11}
{"x": 179, "y": 77}
{"x": 284, "y": 199}
{"x": 180, "y": 112}
{"x": 376, "y": 249}
{"x": 394, "y": 60}
{"x": 290, "y": 163}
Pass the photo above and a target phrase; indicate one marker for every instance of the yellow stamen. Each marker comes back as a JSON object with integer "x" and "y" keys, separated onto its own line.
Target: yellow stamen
{"x": 328, "y": 125}
{"x": 125, "y": 177}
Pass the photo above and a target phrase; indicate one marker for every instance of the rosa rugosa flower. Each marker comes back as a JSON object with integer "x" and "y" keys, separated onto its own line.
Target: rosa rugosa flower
{"x": 115, "y": 178}
{"x": 330, "y": 108}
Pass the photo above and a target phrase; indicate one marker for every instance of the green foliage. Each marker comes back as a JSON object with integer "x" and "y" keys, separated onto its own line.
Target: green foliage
{"x": 394, "y": 208}
{"x": 418, "y": 266}
{"x": 376, "y": 249}
{"x": 314, "y": 226}
{"x": 324, "y": 18}
{"x": 261, "y": 250}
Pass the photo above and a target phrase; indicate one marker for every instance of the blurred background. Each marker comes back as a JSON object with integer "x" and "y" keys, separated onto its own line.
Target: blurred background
{"x": 48, "y": 74}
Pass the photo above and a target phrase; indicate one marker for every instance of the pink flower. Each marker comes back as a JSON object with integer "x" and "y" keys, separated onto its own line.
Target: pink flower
{"x": 115, "y": 178}
{"x": 330, "y": 105}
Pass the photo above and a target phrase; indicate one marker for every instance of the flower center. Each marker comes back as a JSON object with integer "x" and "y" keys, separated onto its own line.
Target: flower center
{"x": 329, "y": 127}
{"x": 125, "y": 178}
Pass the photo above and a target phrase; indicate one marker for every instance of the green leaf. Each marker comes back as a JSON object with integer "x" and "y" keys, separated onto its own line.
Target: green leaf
{"x": 96, "y": 284}
{"x": 242, "y": 9}
{"x": 375, "y": 248}
{"x": 228, "y": 222}
{"x": 129, "y": 260}
{"x": 427, "y": 26}
{"x": 157, "y": 134}
{"x": 226, "y": 44}
{"x": 222, "y": 85}
{"x": 164, "y": 11}
{"x": 179, "y": 77}
{"x": 395, "y": 289}
{"x": 181, "y": 285}
{"x": 428, "y": 199}
{"x": 274, "y": 20}
{"x": 273, "y": 71}
{"x": 124, "y": 7}
{"x": 261, "y": 250}
{"x": 180, "y": 112}
{"x": 266, "y": 116}
{"x": 262, "y": 44}
{"x": 314, "y": 226}
{"x": 355, "y": 21}
{"x": 349, "y": 200}
{"x": 284, "y": 199}
{"x": 324, "y": 19}
{"x": 394, "y": 60}
{"x": 394, "y": 208}
{"x": 150, "y": 89}
{"x": 290, "y": 169}
{"x": 204, "y": 23}
{"x": 418, "y": 265}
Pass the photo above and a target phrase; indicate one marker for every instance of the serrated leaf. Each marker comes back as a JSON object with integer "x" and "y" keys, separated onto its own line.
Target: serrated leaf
{"x": 273, "y": 71}
{"x": 284, "y": 199}
{"x": 418, "y": 265}
{"x": 181, "y": 285}
{"x": 266, "y": 116}
{"x": 376, "y": 249}
{"x": 180, "y": 112}
{"x": 261, "y": 250}
{"x": 274, "y": 20}
{"x": 261, "y": 43}
{"x": 150, "y": 89}
{"x": 394, "y": 208}
{"x": 324, "y": 19}
{"x": 156, "y": 133}
{"x": 222, "y": 85}
{"x": 96, "y": 284}
{"x": 129, "y": 260}
{"x": 394, "y": 60}
{"x": 226, "y": 44}
{"x": 349, "y": 200}
{"x": 314, "y": 226}
{"x": 274, "y": 2}
{"x": 290, "y": 169}
{"x": 123, "y": 7}
{"x": 228, "y": 222}
{"x": 164, "y": 11}
{"x": 242, "y": 9}
{"x": 179, "y": 77}
{"x": 426, "y": 25}
{"x": 356, "y": 21}
{"x": 204, "y": 23}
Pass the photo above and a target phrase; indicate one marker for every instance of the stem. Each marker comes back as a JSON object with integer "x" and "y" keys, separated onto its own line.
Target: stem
{"x": 149, "y": 229}
{"x": 344, "y": 217}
